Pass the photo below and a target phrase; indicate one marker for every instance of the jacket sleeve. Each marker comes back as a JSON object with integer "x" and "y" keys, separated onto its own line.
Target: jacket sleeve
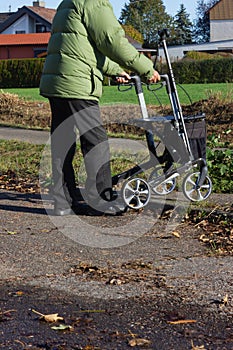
{"x": 111, "y": 68}
{"x": 109, "y": 38}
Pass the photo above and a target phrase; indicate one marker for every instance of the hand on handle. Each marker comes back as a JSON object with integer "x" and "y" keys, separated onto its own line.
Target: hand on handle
{"x": 155, "y": 77}
{"x": 123, "y": 78}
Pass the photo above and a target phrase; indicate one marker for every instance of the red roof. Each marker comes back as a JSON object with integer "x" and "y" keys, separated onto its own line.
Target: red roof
{"x": 24, "y": 39}
{"x": 43, "y": 12}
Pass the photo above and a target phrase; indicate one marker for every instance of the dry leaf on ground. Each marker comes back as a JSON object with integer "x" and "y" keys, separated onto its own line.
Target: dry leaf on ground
{"x": 48, "y": 318}
{"x": 201, "y": 347}
{"x": 139, "y": 342}
{"x": 181, "y": 321}
{"x": 176, "y": 234}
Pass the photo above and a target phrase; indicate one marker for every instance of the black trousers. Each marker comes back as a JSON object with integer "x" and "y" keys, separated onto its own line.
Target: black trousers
{"x": 68, "y": 116}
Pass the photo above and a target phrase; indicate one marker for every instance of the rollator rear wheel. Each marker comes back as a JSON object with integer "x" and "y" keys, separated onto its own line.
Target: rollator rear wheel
{"x": 136, "y": 193}
{"x": 164, "y": 188}
{"x": 194, "y": 192}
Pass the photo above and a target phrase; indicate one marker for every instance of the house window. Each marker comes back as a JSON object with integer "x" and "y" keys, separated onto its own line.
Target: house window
{"x": 40, "y": 28}
{"x": 20, "y": 32}
{"x": 38, "y": 52}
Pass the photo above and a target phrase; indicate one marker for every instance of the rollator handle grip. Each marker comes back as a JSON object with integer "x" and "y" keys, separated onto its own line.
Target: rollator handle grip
{"x": 168, "y": 85}
{"x": 138, "y": 83}
{"x": 164, "y": 34}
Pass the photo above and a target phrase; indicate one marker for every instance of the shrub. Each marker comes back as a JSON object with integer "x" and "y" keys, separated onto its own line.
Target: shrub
{"x": 220, "y": 165}
{"x": 217, "y": 70}
{"x": 18, "y": 73}
{"x": 197, "y": 55}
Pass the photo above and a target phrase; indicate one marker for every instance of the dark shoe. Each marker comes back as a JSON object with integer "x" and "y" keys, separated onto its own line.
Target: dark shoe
{"x": 110, "y": 208}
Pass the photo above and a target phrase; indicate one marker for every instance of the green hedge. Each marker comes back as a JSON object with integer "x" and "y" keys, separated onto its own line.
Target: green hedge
{"x": 218, "y": 70}
{"x": 19, "y": 73}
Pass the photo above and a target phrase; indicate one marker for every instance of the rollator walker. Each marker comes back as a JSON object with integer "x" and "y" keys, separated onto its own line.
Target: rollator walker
{"x": 184, "y": 140}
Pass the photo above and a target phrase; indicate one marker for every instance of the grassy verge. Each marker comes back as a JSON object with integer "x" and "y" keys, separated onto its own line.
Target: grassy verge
{"x": 111, "y": 94}
{"x": 21, "y": 163}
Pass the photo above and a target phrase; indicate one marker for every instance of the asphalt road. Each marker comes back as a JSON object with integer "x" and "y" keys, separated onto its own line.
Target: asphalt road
{"x": 109, "y": 296}
{"x": 117, "y": 282}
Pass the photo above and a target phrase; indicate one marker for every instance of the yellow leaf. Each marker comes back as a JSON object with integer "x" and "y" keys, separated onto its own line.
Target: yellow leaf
{"x": 139, "y": 342}
{"x": 181, "y": 321}
{"x": 204, "y": 239}
{"x": 19, "y": 293}
{"x": 225, "y": 299}
{"x": 176, "y": 234}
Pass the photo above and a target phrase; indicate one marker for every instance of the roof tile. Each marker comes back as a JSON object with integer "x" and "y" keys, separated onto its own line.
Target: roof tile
{"x": 24, "y": 39}
{"x": 43, "y": 12}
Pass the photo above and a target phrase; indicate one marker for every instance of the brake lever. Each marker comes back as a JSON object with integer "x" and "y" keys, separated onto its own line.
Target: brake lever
{"x": 125, "y": 87}
{"x": 156, "y": 86}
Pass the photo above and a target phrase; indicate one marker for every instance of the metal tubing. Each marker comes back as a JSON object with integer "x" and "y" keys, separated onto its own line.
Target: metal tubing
{"x": 174, "y": 99}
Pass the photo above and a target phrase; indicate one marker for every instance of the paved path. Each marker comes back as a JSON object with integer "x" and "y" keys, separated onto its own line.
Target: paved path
{"x": 40, "y": 137}
{"x": 144, "y": 277}
{"x": 46, "y": 266}
{"x": 32, "y": 136}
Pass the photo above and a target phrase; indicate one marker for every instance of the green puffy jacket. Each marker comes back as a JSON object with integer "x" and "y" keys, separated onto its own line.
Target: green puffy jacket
{"x": 86, "y": 42}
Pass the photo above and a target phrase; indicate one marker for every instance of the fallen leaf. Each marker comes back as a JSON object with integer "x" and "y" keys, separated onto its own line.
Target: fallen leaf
{"x": 225, "y": 300}
{"x": 48, "y": 318}
{"x": 52, "y": 318}
{"x": 12, "y": 232}
{"x": 139, "y": 342}
{"x": 19, "y": 293}
{"x": 201, "y": 347}
{"x": 204, "y": 239}
{"x": 115, "y": 281}
{"x": 181, "y": 321}
{"x": 176, "y": 234}
{"x": 62, "y": 327}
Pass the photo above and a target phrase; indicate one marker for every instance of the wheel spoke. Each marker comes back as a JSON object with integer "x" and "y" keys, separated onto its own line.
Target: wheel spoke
{"x": 129, "y": 188}
{"x": 138, "y": 182}
{"x": 200, "y": 197}
{"x": 129, "y": 199}
{"x": 191, "y": 182}
{"x": 191, "y": 191}
{"x": 139, "y": 203}
{"x": 205, "y": 186}
{"x": 144, "y": 192}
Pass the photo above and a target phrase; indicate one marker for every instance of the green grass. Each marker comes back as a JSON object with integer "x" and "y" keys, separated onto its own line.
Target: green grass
{"x": 20, "y": 157}
{"x": 22, "y": 163}
{"x": 111, "y": 95}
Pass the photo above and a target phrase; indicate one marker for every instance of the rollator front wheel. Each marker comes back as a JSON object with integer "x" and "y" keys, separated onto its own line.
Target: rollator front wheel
{"x": 193, "y": 191}
{"x": 136, "y": 193}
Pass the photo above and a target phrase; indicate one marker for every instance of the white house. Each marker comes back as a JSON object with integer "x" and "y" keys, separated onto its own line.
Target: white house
{"x": 29, "y": 19}
{"x": 221, "y": 33}
{"x": 221, "y": 21}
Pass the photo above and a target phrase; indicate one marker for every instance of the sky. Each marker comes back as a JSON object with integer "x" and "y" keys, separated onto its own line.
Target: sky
{"x": 172, "y": 6}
